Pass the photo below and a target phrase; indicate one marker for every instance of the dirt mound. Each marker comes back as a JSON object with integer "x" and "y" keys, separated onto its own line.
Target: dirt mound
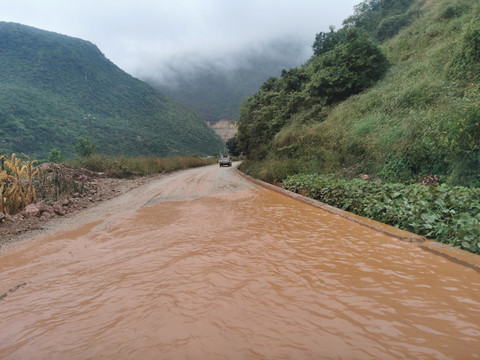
{"x": 224, "y": 128}
{"x": 74, "y": 173}
{"x": 428, "y": 180}
{"x": 61, "y": 191}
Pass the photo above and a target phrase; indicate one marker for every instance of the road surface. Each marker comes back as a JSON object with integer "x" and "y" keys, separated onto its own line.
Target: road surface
{"x": 204, "y": 264}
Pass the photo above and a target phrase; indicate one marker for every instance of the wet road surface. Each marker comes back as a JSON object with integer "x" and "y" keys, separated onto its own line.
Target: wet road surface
{"x": 206, "y": 265}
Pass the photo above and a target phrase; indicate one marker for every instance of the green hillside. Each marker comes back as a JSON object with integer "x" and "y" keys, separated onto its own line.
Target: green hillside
{"x": 395, "y": 94}
{"x": 54, "y": 89}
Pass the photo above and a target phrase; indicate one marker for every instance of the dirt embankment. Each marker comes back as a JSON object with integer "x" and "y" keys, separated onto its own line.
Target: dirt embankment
{"x": 63, "y": 191}
{"x": 224, "y": 128}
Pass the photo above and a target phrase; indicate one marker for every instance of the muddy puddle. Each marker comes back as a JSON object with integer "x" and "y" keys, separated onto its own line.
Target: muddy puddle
{"x": 249, "y": 274}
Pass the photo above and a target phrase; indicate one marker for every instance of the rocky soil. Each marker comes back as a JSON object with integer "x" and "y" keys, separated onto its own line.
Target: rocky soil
{"x": 84, "y": 189}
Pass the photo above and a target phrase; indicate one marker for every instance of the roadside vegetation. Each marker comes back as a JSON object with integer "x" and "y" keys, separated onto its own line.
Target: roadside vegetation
{"x": 139, "y": 166}
{"x": 447, "y": 214}
{"x": 394, "y": 94}
{"x": 16, "y": 184}
{"x": 125, "y": 166}
{"x": 396, "y": 90}
{"x": 22, "y": 183}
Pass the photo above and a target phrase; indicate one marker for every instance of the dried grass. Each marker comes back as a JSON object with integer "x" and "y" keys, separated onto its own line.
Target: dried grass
{"x": 16, "y": 187}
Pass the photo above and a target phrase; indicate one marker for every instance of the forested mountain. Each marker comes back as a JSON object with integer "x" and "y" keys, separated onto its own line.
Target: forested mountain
{"x": 55, "y": 88}
{"x": 215, "y": 89}
{"x": 394, "y": 93}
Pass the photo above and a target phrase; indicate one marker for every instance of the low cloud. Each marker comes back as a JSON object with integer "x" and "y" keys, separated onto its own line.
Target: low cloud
{"x": 144, "y": 36}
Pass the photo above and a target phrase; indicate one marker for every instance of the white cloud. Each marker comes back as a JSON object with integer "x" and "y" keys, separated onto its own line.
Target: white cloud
{"x": 136, "y": 34}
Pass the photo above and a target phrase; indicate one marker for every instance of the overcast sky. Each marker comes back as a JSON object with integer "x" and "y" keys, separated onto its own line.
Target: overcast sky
{"x": 139, "y": 34}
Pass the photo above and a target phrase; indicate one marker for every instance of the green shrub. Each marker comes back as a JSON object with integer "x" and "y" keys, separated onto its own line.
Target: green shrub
{"x": 447, "y": 214}
{"x": 396, "y": 170}
{"x": 84, "y": 147}
{"x": 55, "y": 156}
{"x": 348, "y": 69}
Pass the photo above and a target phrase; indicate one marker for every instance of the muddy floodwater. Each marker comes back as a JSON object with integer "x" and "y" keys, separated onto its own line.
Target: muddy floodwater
{"x": 205, "y": 265}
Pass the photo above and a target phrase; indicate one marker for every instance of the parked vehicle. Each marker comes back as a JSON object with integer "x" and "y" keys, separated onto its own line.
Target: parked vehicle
{"x": 225, "y": 161}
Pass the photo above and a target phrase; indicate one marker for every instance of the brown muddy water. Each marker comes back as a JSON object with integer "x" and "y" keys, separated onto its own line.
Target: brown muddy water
{"x": 204, "y": 265}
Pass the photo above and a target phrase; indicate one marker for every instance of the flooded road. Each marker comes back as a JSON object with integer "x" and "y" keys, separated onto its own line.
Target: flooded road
{"x": 205, "y": 265}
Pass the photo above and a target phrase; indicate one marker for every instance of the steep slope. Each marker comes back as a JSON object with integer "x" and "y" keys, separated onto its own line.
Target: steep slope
{"x": 421, "y": 117}
{"x": 54, "y": 89}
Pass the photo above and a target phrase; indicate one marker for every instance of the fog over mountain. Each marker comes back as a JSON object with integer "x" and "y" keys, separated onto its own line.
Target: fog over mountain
{"x": 192, "y": 48}
{"x": 215, "y": 87}
{"x": 282, "y": 52}
{"x": 144, "y": 36}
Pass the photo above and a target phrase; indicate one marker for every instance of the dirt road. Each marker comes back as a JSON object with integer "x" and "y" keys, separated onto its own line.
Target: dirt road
{"x": 203, "y": 264}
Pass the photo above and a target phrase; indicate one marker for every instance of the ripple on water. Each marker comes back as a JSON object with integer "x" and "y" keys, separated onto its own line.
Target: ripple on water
{"x": 250, "y": 274}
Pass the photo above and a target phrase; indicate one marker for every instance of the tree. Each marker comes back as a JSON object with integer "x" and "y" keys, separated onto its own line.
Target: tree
{"x": 326, "y": 41}
{"x": 366, "y": 15}
{"x": 232, "y": 146}
{"x": 348, "y": 69}
{"x": 55, "y": 156}
{"x": 380, "y": 18}
{"x": 84, "y": 147}
{"x": 264, "y": 114}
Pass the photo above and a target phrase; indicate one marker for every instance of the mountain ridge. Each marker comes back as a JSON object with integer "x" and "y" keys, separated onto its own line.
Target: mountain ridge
{"x": 55, "y": 88}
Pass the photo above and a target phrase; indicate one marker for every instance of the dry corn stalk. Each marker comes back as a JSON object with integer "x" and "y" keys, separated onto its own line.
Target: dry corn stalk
{"x": 16, "y": 186}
